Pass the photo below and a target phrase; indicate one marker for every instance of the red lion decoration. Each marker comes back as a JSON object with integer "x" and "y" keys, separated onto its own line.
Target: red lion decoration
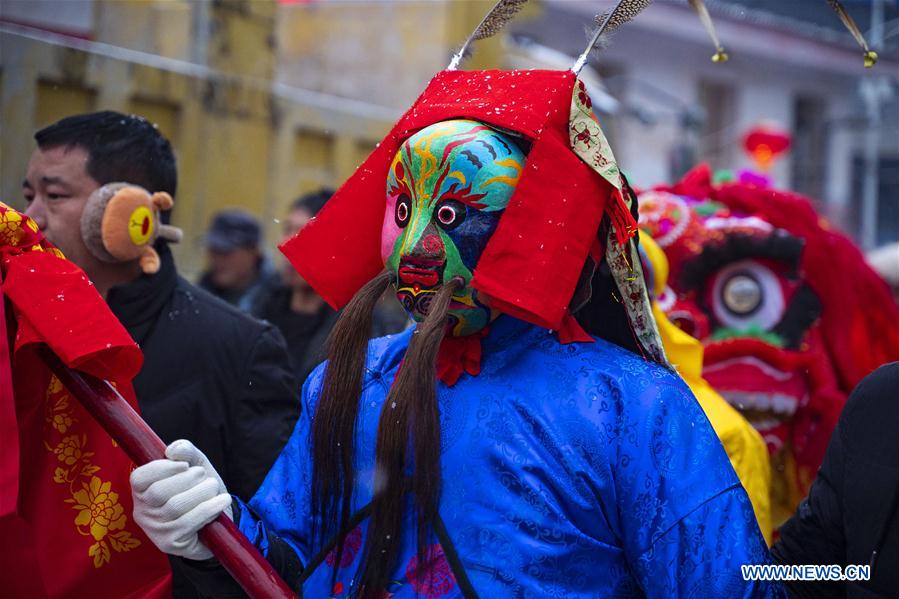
{"x": 791, "y": 316}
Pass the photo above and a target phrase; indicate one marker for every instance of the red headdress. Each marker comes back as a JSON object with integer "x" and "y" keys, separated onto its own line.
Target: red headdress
{"x": 532, "y": 263}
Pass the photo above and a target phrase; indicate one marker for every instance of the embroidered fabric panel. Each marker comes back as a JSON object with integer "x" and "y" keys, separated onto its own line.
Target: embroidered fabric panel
{"x": 589, "y": 142}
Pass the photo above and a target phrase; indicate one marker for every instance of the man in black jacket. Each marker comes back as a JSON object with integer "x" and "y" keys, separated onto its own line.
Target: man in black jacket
{"x": 302, "y": 316}
{"x": 851, "y": 516}
{"x": 211, "y": 373}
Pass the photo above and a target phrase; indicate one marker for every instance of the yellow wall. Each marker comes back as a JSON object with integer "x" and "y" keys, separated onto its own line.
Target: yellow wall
{"x": 238, "y": 140}
{"x": 53, "y": 97}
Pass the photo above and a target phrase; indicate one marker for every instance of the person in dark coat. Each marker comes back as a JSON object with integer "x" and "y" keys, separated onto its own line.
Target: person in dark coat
{"x": 211, "y": 373}
{"x": 851, "y": 516}
{"x": 303, "y": 317}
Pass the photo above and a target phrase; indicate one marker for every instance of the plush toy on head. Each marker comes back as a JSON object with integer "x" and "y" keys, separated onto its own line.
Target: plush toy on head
{"x": 121, "y": 222}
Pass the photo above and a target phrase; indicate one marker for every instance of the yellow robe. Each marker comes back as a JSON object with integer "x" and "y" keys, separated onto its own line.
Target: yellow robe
{"x": 743, "y": 444}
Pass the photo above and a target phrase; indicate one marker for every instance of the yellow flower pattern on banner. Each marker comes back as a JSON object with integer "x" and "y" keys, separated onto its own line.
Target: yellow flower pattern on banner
{"x": 19, "y": 231}
{"x": 11, "y": 231}
{"x": 99, "y": 508}
{"x": 99, "y": 514}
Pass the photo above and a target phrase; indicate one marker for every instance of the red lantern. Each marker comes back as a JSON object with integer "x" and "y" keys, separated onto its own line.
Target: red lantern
{"x": 764, "y": 143}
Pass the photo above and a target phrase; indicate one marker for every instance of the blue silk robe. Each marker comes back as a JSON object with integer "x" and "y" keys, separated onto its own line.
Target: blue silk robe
{"x": 576, "y": 470}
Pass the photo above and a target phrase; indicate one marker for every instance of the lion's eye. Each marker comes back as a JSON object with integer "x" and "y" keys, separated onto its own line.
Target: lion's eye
{"x": 747, "y": 294}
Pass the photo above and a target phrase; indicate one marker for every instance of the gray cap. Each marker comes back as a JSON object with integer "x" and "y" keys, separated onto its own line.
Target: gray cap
{"x": 233, "y": 229}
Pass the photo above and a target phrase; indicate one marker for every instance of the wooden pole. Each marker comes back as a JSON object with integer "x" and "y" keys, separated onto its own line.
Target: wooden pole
{"x": 235, "y": 552}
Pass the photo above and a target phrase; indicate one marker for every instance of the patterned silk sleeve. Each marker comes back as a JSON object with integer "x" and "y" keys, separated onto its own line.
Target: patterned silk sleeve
{"x": 277, "y": 519}
{"x": 687, "y": 523}
{"x": 701, "y": 555}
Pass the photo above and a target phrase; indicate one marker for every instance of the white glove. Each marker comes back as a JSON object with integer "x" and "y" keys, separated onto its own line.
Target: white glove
{"x": 176, "y": 497}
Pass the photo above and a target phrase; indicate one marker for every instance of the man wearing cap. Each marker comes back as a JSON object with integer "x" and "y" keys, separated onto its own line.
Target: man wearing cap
{"x": 237, "y": 271}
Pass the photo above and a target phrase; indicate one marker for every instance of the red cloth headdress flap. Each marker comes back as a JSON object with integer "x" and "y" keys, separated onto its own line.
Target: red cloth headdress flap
{"x": 531, "y": 265}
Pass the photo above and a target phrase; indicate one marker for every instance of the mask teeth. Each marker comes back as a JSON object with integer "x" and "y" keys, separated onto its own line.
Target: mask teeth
{"x": 699, "y": 6}
{"x": 870, "y": 55}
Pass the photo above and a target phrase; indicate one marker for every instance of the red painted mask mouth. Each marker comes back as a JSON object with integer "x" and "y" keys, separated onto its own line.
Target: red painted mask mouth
{"x": 417, "y": 280}
{"x": 420, "y": 273}
{"x": 421, "y": 277}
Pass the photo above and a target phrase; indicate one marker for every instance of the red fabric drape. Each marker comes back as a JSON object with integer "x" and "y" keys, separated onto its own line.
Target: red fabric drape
{"x": 66, "y": 525}
{"x": 532, "y": 262}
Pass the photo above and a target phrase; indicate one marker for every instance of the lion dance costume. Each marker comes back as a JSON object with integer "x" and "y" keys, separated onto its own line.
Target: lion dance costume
{"x": 790, "y": 315}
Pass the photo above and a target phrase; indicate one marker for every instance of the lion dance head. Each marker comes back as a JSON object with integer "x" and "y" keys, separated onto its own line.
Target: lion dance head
{"x": 790, "y": 315}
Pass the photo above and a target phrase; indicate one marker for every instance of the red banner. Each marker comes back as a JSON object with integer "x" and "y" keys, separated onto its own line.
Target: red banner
{"x": 65, "y": 502}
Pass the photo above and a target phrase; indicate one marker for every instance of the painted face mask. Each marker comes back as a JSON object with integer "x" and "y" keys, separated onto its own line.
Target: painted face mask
{"x": 446, "y": 190}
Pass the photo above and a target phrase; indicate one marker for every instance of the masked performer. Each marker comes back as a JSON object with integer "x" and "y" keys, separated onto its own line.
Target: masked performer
{"x": 497, "y": 449}
{"x": 790, "y": 315}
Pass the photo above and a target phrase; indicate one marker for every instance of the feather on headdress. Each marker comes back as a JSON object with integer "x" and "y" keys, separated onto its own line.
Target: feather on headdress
{"x": 608, "y": 22}
{"x": 501, "y": 13}
{"x": 699, "y": 6}
{"x": 849, "y": 22}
